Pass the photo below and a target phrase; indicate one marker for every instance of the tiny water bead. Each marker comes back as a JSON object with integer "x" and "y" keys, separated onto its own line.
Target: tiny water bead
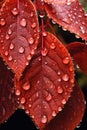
{"x": 6, "y": 53}
{"x": 29, "y": 57}
{"x": 33, "y": 25}
{"x": 14, "y": 11}
{"x": 11, "y": 46}
{"x": 17, "y": 92}
{"x": 7, "y": 37}
{"x": 22, "y": 100}
{"x": 44, "y": 52}
{"x": 23, "y": 22}
{"x": 2, "y": 22}
{"x": 21, "y": 50}
{"x": 30, "y": 40}
{"x": 44, "y": 119}
{"x": 59, "y": 90}
{"x": 63, "y": 101}
{"x": 54, "y": 113}
{"x": 49, "y": 97}
{"x": 65, "y": 77}
{"x": 10, "y": 58}
{"x": 26, "y": 86}
{"x": 66, "y": 60}
{"x": 44, "y": 34}
{"x": 52, "y": 46}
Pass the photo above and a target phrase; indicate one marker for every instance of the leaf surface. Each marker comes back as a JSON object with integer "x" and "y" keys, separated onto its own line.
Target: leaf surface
{"x": 47, "y": 83}
{"x": 18, "y": 33}
{"x": 72, "y": 113}
{"x": 78, "y": 51}
{"x": 69, "y": 14}
{"x": 8, "y": 100}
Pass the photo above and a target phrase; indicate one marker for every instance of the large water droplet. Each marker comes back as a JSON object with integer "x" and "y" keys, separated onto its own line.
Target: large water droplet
{"x": 65, "y": 77}
{"x": 66, "y": 60}
{"x": 26, "y": 86}
{"x": 30, "y": 40}
{"x": 21, "y": 50}
{"x": 2, "y": 22}
{"x": 59, "y": 89}
{"x": 49, "y": 97}
{"x": 22, "y": 100}
{"x": 44, "y": 52}
{"x": 23, "y": 22}
{"x": 44, "y": 119}
{"x": 11, "y": 46}
{"x": 14, "y": 11}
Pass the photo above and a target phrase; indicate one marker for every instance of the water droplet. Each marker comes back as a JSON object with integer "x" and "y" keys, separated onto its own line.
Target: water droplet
{"x": 29, "y": 57}
{"x": 66, "y": 60}
{"x": 2, "y": 22}
{"x": 21, "y": 50}
{"x": 29, "y": 105}
{"x": 53, "y": 113}
{"x": 11, "y": 46}
{"x": 31, "y": 14}
{"x": 44, "y": 52}
{"x": 59, "y": 73}
{"x": 26, "y": 86}
{"x": 44, "y": 34}
{"x": 33, "y": 25}
{"x": 22, "y": 100}
{"x": 59, "y": 109}
{"x": 59, "y": 89}
{"x": 10, "y": 58}
{"x": 65, "y": 77}
{"x": 30, "y": 40}
{"x": 63, "y": 101}
{"x": 6, "y": 53}
{"x": 23, "y": 22}
{"x": 32, "y": 52}
{"x": 49, "y": 97}
{"x": 72, "y": 80}
{"x": 41, "y": 15}
{"x": 71, "y": 68}
{"x": 7, "y": 37}
{"x": 52, "y": 46}
{"x": 9, "y": 31}
{"x": 14, "y": 11}
{"x": 17, "y": 92}
{"x": 3, "y": 111}
{"x": 44, "y": 119}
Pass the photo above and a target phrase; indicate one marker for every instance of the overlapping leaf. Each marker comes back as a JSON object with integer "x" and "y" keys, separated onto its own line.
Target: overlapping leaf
{"x": 8, "y": 100}
{"x": 78, "y": 51}
{"x": 18, "y": 33}
{"x": 72, "y": 113}
{"x": 47, "y": 83}
{"x": 69, "y": 14}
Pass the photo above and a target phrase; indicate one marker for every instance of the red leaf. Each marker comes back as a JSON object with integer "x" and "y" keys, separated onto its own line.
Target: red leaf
{"x": 47, "y": 83}
{"x": 18, "y": 33}
{"x": 79, "y": 53}
{"x": 8, "y": 100}
{"x": 72, "y": 113}
{"x": 69, "y": 14}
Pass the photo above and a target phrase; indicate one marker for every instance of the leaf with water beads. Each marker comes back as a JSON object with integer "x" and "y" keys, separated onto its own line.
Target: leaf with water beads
{"x": 78, "y": 51}
{"x": 8, "y": 100}
{"x": 47, "y": 83}
{"x": 72, "y": 114}
{"x": 69, "y": 14}
{"x": 18, "y": 33}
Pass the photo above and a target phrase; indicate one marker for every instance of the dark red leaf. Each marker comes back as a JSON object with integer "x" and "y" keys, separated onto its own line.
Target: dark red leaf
{"x": 8, "y": 100}
{"x": 72, "y": 113}
{"x": 1, "y": 2}
{"x": 69, "y": 14}
{"x": 78, "y": 51}
{"x": 47, "y": 83}
{"x": 18, "y": 33}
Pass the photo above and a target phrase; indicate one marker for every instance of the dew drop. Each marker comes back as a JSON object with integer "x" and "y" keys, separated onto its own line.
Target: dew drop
{"x": 11, "y": 46}
{"x": 26, "y": 86}
{"x": 59, "y": 89}
{"x": 41, "y": 15}
{"x": 21, "y": 50}
{"x": 23, "y": 22}
{"x": 44, "y": 34}
{"x": 53, "y": 113}
{"x": 10, "y": 58}
{"x": 7, "y": 37}
{"x": 59, "y": 109}
{"x": 44, "y": 52}
{"x": 52, "y": 46}
{"x": 22, "y": 100}
{"x": 14, "y": 11}
{"x": 29, "y": 105}
{"x": 63, "y": 101}
{"x": 30, "y": 40}
{"x": 71, "y": 68}
{"x": 6, "y": 53}
{"x": 29, "y": 57}
{"x": 33, "y": 25}
{"x": 44, "y": 119}
{"x": 17, "y": 92}
{"x": 2, "y": 22}
{"x": 66, "y": 60}
{"x": 65, "y": 77}
{"x": 49, "y": 97}
{"x": 9, "y": 31}
{"x": 31, "y": 14}
{"x": 32, "y": 52}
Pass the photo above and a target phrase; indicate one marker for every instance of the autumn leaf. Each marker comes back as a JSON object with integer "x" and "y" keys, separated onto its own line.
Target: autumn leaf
{"x": 18, "y": 33}
{"x": 48, "y": 81}
{"x": 69, "y": 14}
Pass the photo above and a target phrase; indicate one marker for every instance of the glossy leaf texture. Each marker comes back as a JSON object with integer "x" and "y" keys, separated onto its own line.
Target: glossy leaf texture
{"x": 18, "y": 33}
{"x": 78, "y": 51}
{"x": 8, "y": 100}
{"x": 1, "y": 2}
{"x": 48, "y": 81}
{"x": 69, "y": 14}
{"x": 72, "y": 113}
